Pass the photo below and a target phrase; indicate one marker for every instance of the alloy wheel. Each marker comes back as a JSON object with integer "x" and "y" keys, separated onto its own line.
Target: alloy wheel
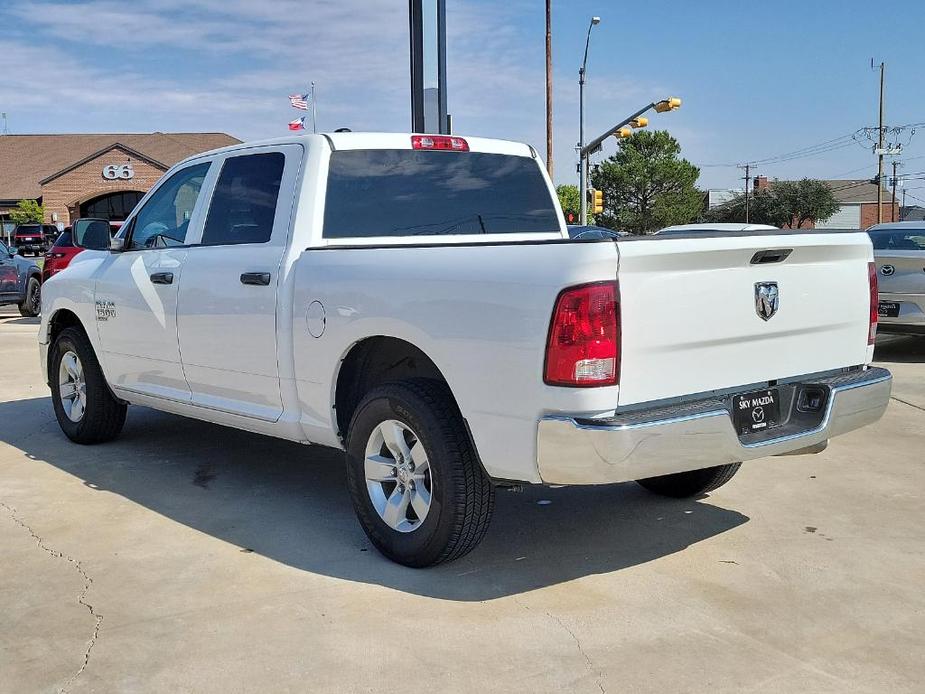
{"x": 398, "y": 476}
{"x": 71, "y": 386}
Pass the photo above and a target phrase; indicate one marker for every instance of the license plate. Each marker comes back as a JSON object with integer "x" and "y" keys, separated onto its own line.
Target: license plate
{"x": 888, "y": 309}
{"x": 756, "y": 412}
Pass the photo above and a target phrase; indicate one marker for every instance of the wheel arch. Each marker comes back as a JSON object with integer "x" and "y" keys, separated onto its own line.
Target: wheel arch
{"x": 58, "y": 321}
{"x": 373, "y": 361}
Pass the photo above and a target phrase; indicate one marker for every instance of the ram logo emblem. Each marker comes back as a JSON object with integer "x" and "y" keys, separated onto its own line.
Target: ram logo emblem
{"x": 767, "y": 299}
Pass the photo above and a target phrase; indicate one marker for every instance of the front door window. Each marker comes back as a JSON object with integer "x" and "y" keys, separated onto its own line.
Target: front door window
{"x": 164, "y": 220}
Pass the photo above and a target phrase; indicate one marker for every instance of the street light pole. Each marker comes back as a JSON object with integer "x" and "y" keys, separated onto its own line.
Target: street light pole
{"x": 583, "y": 160}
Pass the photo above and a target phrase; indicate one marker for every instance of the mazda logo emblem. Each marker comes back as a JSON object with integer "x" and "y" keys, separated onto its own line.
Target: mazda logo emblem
{"x": 887, "y": 270}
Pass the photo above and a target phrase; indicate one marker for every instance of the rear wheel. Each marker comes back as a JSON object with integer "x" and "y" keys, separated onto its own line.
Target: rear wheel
{"x": 32, "y": 303}
{"x": 691, "y": 483}
{"x": 417, "y": 486}
{"x": 85, "y": 408}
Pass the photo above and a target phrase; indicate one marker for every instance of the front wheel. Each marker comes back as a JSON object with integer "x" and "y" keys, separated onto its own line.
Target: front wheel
{"x": 416, "y": 483}
{"x": 32, "y": 302}
{"x": 84, "y": 406}
{"x": 692, "y": 483}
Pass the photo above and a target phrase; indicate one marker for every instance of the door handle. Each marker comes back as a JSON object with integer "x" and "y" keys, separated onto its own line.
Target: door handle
{"x": 162, "y": 278}
{"x": 260, "y": 279}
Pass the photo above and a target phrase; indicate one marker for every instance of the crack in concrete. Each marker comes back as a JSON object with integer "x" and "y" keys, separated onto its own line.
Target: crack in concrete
{"x": 905, "y": 402}
{"x": 581, "y": 650}
{"x": 81, "y": 598}
{"x": 591, "y": 666}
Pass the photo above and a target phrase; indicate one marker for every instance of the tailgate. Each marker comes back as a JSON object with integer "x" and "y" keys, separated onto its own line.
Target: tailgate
{"x": 691, "y": 321}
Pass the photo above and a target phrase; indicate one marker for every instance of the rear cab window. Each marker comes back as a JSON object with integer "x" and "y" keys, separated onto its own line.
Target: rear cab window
{"x": 404, "y": 192}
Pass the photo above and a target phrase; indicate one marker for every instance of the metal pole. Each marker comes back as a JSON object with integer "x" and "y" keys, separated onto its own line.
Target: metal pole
{"x": 549, "y": 87}
{"x": 416, "y": 55}
{"x": 747, "y": 179}
{"x": 582, "y": 157}
{"x": 902, "y": 210}
{"x": 583, "y": 160}
{"x": 893, "y": 205}
{"x": 314, "y": 123}
{"x": 880, "y": 156}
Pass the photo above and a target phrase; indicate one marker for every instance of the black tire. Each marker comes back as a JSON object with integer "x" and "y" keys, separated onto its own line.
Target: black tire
{"x": 462, "y": 495}
{"x": 31, "y": 305}
{"x": 693, "y": 483}
{"x": 103, "y": 416}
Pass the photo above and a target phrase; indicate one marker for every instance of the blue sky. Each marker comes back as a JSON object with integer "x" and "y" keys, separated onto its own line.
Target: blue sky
{"x": 758, "y": 79}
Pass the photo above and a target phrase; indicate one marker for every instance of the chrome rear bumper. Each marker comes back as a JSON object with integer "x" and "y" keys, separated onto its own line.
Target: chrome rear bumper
{"x": 575, "y": 450}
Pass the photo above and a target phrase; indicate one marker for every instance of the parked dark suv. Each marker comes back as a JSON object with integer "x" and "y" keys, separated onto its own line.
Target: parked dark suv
{"x": 20, "y": 282}
{"x": 34, "y": 238}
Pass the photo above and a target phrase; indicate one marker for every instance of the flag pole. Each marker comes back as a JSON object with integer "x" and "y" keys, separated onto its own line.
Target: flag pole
{"x": 314, "y": 126}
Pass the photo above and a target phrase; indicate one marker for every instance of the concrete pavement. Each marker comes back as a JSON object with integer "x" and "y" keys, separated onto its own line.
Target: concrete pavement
{"x": 188, "y": 557}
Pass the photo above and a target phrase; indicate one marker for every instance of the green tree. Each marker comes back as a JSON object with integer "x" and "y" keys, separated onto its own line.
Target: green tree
{"x": 570, "y": 201}
{"x": 785, "y": 204}
{"x": 27, "y": 211}
{"x": 647, "y": 185}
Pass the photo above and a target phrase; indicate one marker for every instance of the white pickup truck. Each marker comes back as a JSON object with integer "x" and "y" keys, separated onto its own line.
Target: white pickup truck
{"x": 416, "y": 301}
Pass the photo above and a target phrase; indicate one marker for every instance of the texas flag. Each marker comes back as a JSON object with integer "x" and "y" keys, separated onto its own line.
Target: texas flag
{"x": 297, "y": 124}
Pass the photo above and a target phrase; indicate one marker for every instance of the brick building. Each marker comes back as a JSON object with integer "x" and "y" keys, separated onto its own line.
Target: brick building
{"x": 858, "y": 200}
{"x": 92, "y": 175}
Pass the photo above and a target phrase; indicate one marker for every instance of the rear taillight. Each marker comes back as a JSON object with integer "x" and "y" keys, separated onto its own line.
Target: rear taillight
{"x": 874, "y": 302}
{"x": 447, "y": 142}
{"x": 583, "y": 348}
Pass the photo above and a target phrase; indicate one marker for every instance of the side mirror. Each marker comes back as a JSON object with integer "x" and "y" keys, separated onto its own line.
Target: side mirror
{"x": 13, "y": 250}
{"x": 91, "y": 234}
{"x": 116, "y": 245}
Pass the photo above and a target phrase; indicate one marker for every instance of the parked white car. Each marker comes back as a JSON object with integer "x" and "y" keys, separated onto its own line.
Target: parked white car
{"x": 416, "y": 301}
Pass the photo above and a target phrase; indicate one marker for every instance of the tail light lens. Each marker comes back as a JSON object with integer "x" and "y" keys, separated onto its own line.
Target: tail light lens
{"x": 874, "y": 302}
{"x": 583, "y": 348}
{"x": 446, "y": 142}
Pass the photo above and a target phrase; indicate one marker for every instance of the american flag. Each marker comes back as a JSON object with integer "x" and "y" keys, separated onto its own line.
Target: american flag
{"x": 299, "y": 101}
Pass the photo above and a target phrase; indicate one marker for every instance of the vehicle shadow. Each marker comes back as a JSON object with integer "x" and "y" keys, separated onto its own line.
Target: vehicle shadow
{"x": 10, "y": 320}
{"x": 900, "y": 349}
{"x": 289, "y": 503}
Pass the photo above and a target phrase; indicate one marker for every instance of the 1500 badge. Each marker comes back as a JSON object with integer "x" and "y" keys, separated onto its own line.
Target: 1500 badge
{"x": 105, "y": 310}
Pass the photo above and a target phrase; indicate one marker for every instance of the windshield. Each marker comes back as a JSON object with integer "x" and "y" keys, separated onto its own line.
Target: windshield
{"x": 386, "y": 192}
{"x": 64, "y": 241}
{"x": 898, "y": 239}
{"x": 28, "y": 229}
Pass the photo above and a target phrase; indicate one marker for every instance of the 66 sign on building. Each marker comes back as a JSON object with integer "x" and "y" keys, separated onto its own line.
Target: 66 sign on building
{"x": 113, "y": 171}
{"x": 91, "y": 175}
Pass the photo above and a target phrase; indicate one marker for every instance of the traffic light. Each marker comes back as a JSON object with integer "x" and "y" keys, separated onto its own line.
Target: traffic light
{"x": 672, "y": 103}
{"x": 639, "y": 122}
{"x": 596, "y": 198}
{"x": 623, "y": 133}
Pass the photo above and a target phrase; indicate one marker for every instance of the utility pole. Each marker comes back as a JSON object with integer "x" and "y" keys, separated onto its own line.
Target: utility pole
{"x": 903, "y": 207}
{"x": 893, "y": 206}
{"x": 748, "y": 178}
{"x": 880, "y": 147}
{"x": 549, "y": 87}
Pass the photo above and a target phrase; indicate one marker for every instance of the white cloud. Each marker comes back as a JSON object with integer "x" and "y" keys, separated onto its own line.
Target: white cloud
{"x": 229, "y": 64}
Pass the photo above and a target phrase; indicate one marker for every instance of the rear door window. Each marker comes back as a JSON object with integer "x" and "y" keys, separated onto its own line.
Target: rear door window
{"x": 244, "y": 203}
{"x": 385, "y": 192}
